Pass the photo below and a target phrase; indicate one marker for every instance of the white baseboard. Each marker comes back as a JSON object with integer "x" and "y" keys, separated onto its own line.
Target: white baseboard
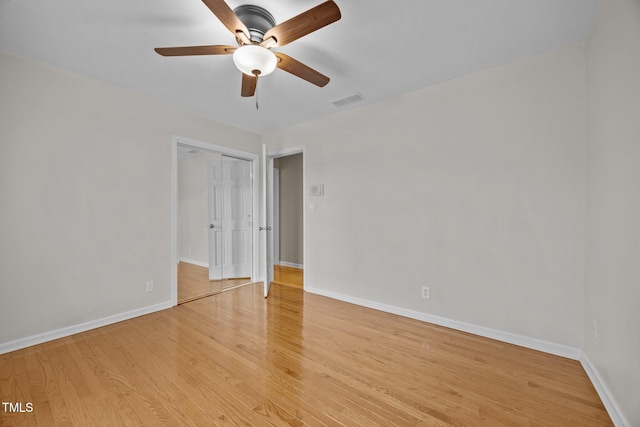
{"x": 508, "y": 337}
{"x": 82, "y": 327}
{"x": 608, "y": 401}
{"x": 291, "y": 264}
{"x": 194, "y": 262}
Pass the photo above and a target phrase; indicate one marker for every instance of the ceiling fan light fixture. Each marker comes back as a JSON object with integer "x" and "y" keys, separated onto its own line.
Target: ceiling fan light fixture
{"x": 256, "y": 32}
{"x": 253, "y": 59}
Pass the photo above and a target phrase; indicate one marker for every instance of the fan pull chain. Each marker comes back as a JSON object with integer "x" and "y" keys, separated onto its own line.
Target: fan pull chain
{"x": 257, "y": 92}
{"x": 256, "y": 73}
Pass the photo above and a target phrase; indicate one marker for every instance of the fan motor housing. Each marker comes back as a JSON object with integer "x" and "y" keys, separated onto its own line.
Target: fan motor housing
{"x": 257, "y": 19}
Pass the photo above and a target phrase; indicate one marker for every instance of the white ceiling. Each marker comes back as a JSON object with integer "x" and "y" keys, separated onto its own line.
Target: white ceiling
{"x": 379, "y": 48}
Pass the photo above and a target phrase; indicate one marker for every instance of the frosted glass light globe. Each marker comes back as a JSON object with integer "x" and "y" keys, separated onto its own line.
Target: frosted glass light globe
{"x": 252, "y": 57}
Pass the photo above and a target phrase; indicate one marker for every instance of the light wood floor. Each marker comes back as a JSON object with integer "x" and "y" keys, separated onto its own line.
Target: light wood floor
{"x": 295, "y": 358}
{"x": 194, "y": 283}
{"x": 288, "y": 276}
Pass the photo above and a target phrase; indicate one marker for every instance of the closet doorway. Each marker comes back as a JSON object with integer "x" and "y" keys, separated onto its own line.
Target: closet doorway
{"x": 216, "y": 207}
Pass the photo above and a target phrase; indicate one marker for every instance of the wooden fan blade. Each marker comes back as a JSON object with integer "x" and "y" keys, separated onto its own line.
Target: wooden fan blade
{"x": 226, "y": 15}
{"x": 298, "y": 69}
{"x": 303, "y": 24}
{"x": 195, "y": 50}
{"x": 249, "y": 84}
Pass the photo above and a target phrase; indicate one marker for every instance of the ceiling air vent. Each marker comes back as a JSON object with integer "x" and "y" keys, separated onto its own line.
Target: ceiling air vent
{"x": 348, "y": 100}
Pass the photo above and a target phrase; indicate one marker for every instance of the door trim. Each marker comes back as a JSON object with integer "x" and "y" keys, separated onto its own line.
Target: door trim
{"x": 255, "y": 174}
{"x": 276, "y": 216}
{"x": 289, "y": 152}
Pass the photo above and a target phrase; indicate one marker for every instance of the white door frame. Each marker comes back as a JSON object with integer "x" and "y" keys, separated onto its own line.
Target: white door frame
{"x": 276, "y": 216}
{"x": 255, "y": 174}
{"x": 289, "y": 152}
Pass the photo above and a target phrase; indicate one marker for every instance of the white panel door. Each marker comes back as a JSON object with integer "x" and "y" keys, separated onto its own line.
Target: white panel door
{"x": 267, "y": 216}
{"x": 237, "y": 221}
{"x": 216, "y": 198}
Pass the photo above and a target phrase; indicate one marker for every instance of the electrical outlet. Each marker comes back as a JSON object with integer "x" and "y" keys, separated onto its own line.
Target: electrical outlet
{"x": 425, "y": 292}
{"x": 149, "y": 287}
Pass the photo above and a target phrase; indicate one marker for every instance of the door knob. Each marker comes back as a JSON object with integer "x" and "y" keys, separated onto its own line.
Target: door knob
{"x": 211, "y": 226}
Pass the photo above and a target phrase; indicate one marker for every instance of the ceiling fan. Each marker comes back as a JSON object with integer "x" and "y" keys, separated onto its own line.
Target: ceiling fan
{"x": 256, "y": 32}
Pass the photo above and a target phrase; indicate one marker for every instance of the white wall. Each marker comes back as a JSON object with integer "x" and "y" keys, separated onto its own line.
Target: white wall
{"x": 613, "y": 203}
{"x": 85, "y": 214}
{"x": 474, "y": 187}
{"x": 193, "y": 208}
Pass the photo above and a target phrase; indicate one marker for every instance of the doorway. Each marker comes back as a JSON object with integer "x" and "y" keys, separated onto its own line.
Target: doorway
{"x": 288, "y": 209}
{"x": 215, "y": 203}
{"x": 286, "y": 218}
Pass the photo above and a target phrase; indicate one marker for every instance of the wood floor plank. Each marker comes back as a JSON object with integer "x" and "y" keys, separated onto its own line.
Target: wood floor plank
{"x": 293, "y": 359}
{"x": 288, "y": 276}
{"x": 35, "y": 380}
{"x": 217, "y": 376}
